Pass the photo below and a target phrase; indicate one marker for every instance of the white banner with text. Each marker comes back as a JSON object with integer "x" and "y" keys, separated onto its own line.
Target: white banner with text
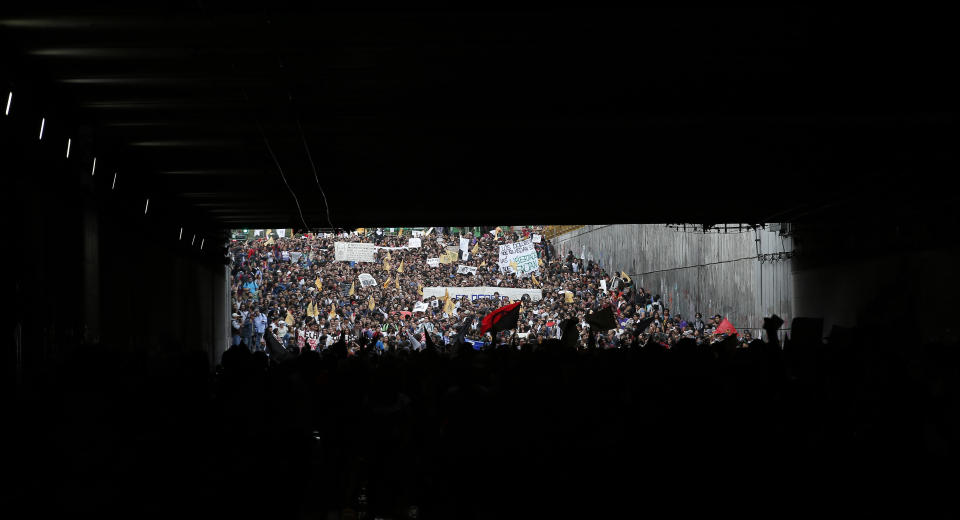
{"x": 480, "y": 293}
{"x": 353, "y": 252}
{"x": 520, "y": 255}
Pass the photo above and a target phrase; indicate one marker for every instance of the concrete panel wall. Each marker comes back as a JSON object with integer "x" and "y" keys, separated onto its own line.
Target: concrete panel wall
{"x": 155, "y": 298}
{"x": 713, "y": 273}
{"x": 882, "y": 276}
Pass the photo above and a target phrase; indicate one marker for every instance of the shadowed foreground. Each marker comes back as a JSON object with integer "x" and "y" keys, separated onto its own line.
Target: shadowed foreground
{"x": 529, "y": 432}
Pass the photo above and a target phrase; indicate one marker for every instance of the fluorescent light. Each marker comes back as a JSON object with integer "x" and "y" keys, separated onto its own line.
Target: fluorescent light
{"x": 43, "y": 122}
{"x": 94, "y": 169}
{"x": 194, "y": 239}
{"x": 201, "y": 242}
{"x": 114, "y": 185}
{"x": 68, "y": 148}
{"x": 147, "y": 207}
{"x": 9, "y": 101}
{"x": 181, "y": 234}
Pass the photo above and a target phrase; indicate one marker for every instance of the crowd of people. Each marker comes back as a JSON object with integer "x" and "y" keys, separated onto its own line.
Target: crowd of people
{"x": 295, "y": 289}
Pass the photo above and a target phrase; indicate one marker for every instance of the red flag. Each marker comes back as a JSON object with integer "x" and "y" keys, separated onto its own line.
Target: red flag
{"x": 504, "y": 318}
{"x": 725, "y": 327}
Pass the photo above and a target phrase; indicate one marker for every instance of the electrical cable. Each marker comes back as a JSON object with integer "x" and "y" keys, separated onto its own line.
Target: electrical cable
{"x": 326, "y": 205}
{"x": 280, "y": 169}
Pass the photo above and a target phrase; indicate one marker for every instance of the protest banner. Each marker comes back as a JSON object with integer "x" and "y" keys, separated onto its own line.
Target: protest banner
{"x": 479, "y": 293}
{"x": 466, "y": 269}
{"x": 523, "y": 254}
{"x": 353, "y": 251}
{"x": 367, "y": 280}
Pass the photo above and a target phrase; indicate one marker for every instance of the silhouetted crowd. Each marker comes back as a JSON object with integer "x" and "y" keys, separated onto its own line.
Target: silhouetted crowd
{"x": 545, "y": 430}
{"x": 370, "y": 423}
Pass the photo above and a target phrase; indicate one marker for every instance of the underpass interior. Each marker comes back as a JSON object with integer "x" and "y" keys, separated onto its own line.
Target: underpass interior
{"x": 133, "y": 142}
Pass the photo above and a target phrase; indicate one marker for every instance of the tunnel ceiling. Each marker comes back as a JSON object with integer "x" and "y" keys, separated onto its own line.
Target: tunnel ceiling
{"x": 457, "y": 117}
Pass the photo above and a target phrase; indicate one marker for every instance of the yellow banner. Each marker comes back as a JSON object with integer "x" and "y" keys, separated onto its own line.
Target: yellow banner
{"x": 448, "y": 257}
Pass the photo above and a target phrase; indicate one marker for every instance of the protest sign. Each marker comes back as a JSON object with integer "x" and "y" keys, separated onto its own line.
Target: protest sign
{"x": 353, "y": 251}
{"x": 537, "y": 238}
{"x": 523, "y": 254}
{"x": 464, "y": 244}
{"x": 367, "y": 280}
{"x": 420, "y": 307}
{"x": 466, "y": 269}
{"x": 433, "y": 262}
{"x": 413, "y": 242}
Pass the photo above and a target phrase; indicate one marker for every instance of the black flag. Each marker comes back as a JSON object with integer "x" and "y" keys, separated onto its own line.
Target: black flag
{"x": 504, "y": 318}
{"x": 643, "y": 324}
{"x": 277, "y": 352}
{"x": 569, "y": 335}
{"x": 428, "y": 341}
{"x": 602, "y": 320}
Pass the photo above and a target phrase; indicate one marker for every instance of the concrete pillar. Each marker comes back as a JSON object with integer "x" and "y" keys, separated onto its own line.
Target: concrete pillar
{"x": 91, "y": 271}
{"x": 221, "y": 313}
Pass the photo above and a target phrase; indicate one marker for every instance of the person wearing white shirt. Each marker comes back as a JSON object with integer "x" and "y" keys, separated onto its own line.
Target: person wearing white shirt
{"x": 235, "y": 324}
{"x": 282, "y": 332}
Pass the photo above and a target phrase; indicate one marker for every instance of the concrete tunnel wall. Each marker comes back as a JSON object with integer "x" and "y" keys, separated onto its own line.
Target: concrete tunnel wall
{"x": 711, "y": 273}
{"x": 86, "y": 270}
{"x": 881, "y": 276}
